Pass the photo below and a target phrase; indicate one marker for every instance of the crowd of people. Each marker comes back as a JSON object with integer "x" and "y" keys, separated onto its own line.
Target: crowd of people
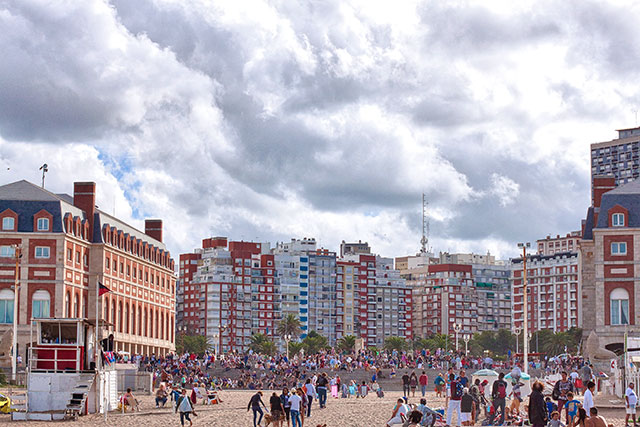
{"x": 469, "y": 403}
{"x": 305, "y": 379}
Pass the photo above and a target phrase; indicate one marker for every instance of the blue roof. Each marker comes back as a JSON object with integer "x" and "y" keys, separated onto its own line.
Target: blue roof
{"x": 627, "y": 196}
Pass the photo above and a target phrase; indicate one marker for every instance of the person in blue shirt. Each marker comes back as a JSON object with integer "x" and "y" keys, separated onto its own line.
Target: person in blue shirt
{"x": 572, "y": 407}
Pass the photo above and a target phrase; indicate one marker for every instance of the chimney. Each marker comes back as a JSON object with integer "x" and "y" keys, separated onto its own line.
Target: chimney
{"x": 600, "y": 185}
{"x": 153, "y": 228}
{"x": 84, "y": 197}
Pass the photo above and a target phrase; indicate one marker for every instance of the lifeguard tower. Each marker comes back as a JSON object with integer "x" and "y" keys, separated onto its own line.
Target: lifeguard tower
{"x": 63, "y": 376}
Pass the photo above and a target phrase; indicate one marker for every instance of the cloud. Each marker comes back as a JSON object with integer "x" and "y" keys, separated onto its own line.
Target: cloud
{"x": 272, "y": 120}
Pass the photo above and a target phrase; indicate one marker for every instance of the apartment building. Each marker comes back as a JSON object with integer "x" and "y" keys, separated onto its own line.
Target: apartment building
{"x": 445, "y": 296}
{"x": 322, "y": 301}
{"x": 553, "y": 300}
{"x": 618, "y": 158}
{"x": 68, "y": 245}
{"x": 493, "y": 287}
{"x": 552, "y": 245}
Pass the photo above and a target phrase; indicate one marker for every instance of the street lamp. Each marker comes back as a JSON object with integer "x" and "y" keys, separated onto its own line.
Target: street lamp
{"x": 517, "y": 331}
{"x": 287, "y": 338}
{"x": 466, "y": 338}
{"x": 456, "y": 328}
{"x": 525, "y": 294}
{"x": 215, "y": 339}
{"x": 222, "y": 329}
{"x": 16, "y": 287}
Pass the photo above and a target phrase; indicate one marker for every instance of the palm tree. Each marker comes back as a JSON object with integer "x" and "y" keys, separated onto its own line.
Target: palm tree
{"x": 259, "y": 343}
{"x": 295, "y": 347}
{"x": 395, "y": 343}
{"x": 289, "y": 325}
{"x": 347, "y": 343}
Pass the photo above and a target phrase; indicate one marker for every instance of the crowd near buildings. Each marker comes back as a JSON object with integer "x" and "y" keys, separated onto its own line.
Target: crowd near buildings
{"x": 61, "y": 249}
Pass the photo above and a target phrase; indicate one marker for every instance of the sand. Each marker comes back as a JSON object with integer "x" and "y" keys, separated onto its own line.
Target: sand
{"x": 370, "y": 411}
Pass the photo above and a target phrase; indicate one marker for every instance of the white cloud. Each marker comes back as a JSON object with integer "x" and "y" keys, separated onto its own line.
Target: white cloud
{"x": 283, "y": 119}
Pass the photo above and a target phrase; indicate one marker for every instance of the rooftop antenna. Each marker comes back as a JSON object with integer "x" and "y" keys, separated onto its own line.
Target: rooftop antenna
{"x": 44, "y": 168}
{"x": 424, "y": 242}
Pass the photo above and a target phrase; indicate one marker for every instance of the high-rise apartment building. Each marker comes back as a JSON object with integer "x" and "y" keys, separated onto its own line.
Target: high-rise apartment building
{"x": 68, "y": 245}
{"x": 618, "y": 158}
{"x": 374, "y": 301}
{"x": 553, "y": 300}
{"x": 354, "y": 248}
{"x": 443, "y": 297}
{"x": 493, "y": 288}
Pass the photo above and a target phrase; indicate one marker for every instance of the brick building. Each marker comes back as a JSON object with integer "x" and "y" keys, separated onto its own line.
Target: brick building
{"x": 610, "y": 255}
{"x": 444, "y": 296}
{"x": 68, "y": 244}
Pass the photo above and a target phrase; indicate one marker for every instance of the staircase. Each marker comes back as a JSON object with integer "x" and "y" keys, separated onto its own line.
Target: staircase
{"x": 18, "y": 403}
{"x": 79, "y": 395}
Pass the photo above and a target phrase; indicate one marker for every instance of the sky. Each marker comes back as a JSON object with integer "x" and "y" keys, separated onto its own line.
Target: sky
{"x": 271, "y": 120}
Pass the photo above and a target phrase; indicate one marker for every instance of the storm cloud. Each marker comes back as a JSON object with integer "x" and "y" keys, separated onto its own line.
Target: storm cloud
{"x": 276, "y": 119}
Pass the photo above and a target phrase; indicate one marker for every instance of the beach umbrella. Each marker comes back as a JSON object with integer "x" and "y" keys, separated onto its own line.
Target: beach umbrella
{"x": 485, "y": 374}
{"x": 524, "y": 379}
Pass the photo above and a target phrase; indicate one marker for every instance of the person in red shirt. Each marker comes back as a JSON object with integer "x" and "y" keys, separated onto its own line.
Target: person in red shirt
{"x": 423, "y": 380}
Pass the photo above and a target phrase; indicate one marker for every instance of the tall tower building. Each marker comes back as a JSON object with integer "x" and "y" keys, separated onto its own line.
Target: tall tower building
{"x": 618, "y": 158}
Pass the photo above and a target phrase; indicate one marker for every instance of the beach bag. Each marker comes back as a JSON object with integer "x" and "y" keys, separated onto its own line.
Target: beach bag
{"x": 578, "y": 383}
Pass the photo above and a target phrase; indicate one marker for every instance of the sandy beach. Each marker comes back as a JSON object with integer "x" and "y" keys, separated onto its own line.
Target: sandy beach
{"x": 370, "y": 411}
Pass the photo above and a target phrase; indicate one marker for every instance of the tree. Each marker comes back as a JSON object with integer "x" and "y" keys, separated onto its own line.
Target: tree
{"x": 395, "y": 343}
{"x": 314, "y": 342}
{"x": 347, "y": 343}
{"x": 295, "y": 347}
{"x": 437, "y": 341}
{"x": 289, "y": 325}
{"x": 196, "y": 344}
{"x": 260, "y": 343}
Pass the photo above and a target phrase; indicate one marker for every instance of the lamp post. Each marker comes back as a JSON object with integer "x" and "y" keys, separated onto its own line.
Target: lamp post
{"x": 456, "y": 328}
{"x": 16, "y": 287}
{"x": 217, "y": 346}
{"x": 525, "y": 313}
{"x": 517, "y": 331}
{"x": 466, "y": 338}
{"x": 287, "y": 338}
{"x": 220, "y": 349}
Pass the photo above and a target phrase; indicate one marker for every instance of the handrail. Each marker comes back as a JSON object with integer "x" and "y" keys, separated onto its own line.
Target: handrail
{"x": 34, "y": 359}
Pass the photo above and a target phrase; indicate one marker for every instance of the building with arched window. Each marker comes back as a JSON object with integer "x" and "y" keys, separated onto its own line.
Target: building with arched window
{"x": 68, "y": 245}
{"x": 610, "y": 261}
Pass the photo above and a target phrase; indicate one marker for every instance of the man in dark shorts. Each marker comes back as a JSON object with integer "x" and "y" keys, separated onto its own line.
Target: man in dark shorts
{"x": 277, "y": 410}
{"x": 286, "y": 405}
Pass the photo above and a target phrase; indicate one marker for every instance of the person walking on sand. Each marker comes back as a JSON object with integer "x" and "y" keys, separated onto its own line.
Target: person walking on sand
{"x": 424, "y": 381}
{"x": 630, "y": 402}
{"x": 405, "y": 384}
{"x": 254, "y": 405}
{"x": 185, "y": 407}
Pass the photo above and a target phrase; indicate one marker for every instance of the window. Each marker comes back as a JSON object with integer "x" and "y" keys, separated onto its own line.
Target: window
{"x": 42, "y": 251}
{"x": 8, "y": 223}
{"x": 617, "y": 219}
{"x": 6, "y": 306}
{"x": 43, "y": 224}
{"x": 619, "y": 306}
{"x": 40, "y": 304}
{"x": 618, "y": 248}
{"x": 69, "y": 254}
{"x": 7, "y": 251}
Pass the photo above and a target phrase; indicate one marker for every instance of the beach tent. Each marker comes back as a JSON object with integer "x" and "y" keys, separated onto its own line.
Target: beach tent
{"x": 524, "y": 379}
{"x": 485, "y": 374}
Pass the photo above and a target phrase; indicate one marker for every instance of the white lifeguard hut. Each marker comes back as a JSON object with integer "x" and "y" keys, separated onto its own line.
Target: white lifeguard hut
{"x": 63, "y": 376}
